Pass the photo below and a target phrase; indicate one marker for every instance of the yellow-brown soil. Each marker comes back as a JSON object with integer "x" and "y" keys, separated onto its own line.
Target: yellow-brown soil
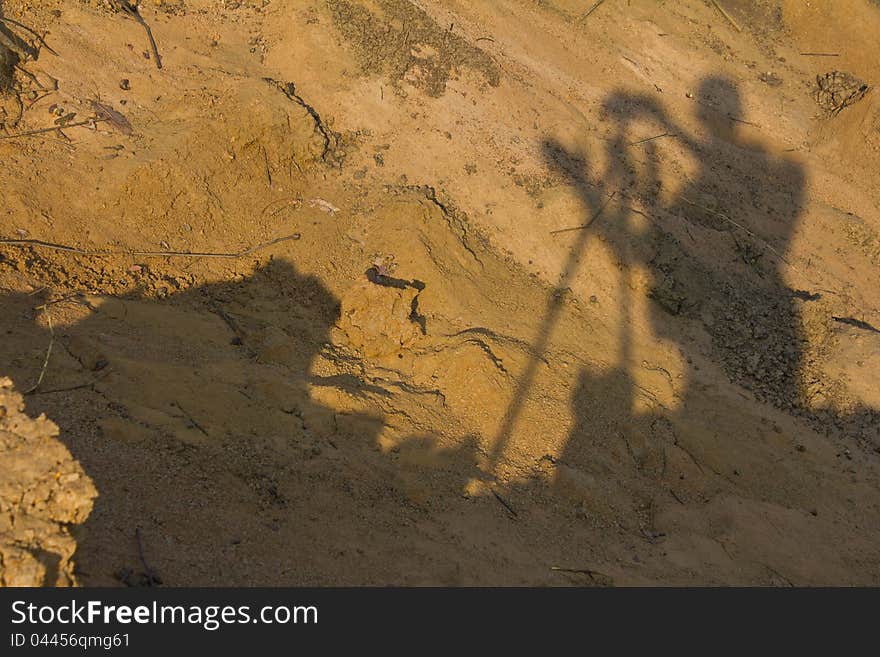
{"x": 538, "y": 297}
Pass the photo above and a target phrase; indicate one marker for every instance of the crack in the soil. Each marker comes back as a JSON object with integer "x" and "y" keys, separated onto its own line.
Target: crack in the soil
{"x": 453, "y": 216}
{"x": 331, "y": 138}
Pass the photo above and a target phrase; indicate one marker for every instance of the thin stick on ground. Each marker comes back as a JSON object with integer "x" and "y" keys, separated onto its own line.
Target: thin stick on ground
{"x": 191, "y": 419}
{"x": 284, "y": 199}
{"x": 155, "y": 254}
{"x": 727, "y": 16}
{"x": 764, "y": 243}
{"x": 80, "y": 386}
{"x": 132, "y": 10}
{"x": 46, "y": 360}
{"x": 646, "y": 139}
{"x": 151, "y": 576}
{"x": 580, "y": 571}
{"x": 592, "y": 9}
{"x": 504, "y": 503}
{"x": 75, "y": 297}
{"x": 590, "y": 222}
{"x": 584, "y": 571}
{"x": 52, "y": 129}
{"x": 736, "y": 224}
{"x": 229, "y": 321}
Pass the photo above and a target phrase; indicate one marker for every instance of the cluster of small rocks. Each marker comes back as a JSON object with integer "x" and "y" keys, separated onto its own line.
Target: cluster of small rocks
{"x": 760, "y": 343}
{"x": 106, "y": 276}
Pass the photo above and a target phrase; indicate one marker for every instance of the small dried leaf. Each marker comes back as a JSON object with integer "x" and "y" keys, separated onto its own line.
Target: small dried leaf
{"x": 111, "y": 116}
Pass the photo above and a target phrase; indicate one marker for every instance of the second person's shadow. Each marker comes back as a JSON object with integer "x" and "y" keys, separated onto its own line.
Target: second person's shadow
{"x": 715, "y": 254}
{"x": 194, "y": 417}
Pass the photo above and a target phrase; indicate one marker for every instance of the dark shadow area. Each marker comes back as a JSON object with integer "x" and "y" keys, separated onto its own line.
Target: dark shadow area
{"x": 8, "y": 56}
{"x": 192, "y": 414}
{"x": 11, "y": 42}
{"x": 195, "y": 411}
{"x": 19, "y": 44}
{"x": 716, "y": 252}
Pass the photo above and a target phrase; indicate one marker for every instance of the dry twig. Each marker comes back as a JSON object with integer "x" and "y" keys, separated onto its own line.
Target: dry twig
{"x": 191, "y": 419}
{"x": 504, "y": 503}
{"x": 37, "y": 36}
{"x": 590, "y": 222}
{"x": 80, "y": 386}
{"x": 131, "y": 9}
{"x": 150, "y": 576}
{"x": 642, "y": 141}
{"x": 46, "y": 360}
{"x": 727, "y": 16}
{"x": 592, "y": 574}
{"x": 156, "y": 254}
{"x": 592, "y": 9}
{"x": 53, "y": 128}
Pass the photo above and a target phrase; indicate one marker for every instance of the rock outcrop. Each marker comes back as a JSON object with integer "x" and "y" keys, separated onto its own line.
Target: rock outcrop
{"x": 44, "y": 492}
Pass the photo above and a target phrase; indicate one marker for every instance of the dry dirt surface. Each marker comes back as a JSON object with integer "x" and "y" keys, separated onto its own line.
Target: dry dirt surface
{"x": 443, "y": 292}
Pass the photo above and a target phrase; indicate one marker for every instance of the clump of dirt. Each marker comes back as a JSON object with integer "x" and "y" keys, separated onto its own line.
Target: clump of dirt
{"x": 43, "y": 492}
{"x": 378, "y": 319}
{"x": 406, "y": 43}
{"x": 838, "y": 90}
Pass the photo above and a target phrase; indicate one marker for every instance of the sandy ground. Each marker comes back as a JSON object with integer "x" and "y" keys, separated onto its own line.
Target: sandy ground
{"x": 451, "y": 292}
